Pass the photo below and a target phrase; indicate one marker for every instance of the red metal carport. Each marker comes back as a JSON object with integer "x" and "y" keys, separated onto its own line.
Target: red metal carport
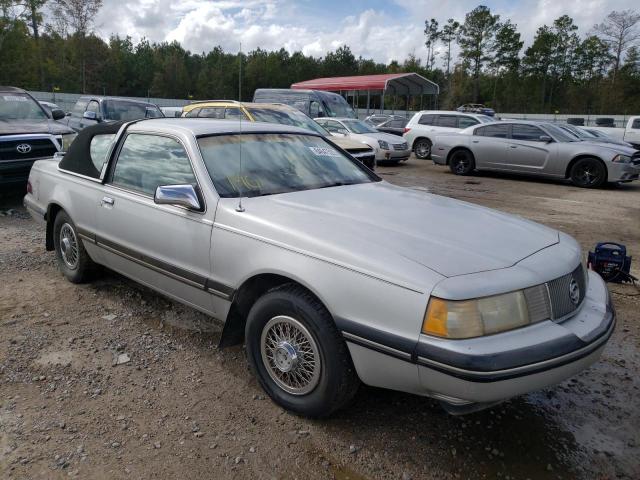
{"x": 404, "y": 84}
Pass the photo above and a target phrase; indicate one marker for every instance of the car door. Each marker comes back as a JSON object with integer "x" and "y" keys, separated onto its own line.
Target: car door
{"x": 163, "y": 246}
{"x": 489, "y": 144}
{"x": 526, "y": 151}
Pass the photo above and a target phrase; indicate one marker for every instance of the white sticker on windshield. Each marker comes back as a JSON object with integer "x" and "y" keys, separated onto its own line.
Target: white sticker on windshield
{"x": 15, "y": 98}
{"x": 324, "y": 152}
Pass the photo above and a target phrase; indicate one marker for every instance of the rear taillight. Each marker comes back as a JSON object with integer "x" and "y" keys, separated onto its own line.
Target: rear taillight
{"x": 29, "y": 187}
{"x": 406, "y": 130}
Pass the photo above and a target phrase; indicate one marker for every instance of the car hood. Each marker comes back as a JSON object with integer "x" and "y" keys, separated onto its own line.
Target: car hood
{"x": 391, "y": 232}
{"x": 16, "y": 127}
{"x": 347, "y": 143}
{"x": 387, "y": 137}
{"x": 614, "y": 148}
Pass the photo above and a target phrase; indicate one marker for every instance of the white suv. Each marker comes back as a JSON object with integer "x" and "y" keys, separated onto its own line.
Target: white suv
{"x": 422, "y": 129}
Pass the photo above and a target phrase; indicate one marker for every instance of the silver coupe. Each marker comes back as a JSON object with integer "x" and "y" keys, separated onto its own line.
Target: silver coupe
{"x": 541, "y": 149}
{"x": 271, "y": 230}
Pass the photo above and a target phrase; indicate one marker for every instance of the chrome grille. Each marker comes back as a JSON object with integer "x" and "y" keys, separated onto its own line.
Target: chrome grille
{"x": 551, "y": 300}
{"x": 561, "y": 304}
{"x": 400, "y": 146}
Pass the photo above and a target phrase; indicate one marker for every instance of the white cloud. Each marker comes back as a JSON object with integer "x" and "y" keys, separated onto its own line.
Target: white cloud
{"x": 383, "y": 33}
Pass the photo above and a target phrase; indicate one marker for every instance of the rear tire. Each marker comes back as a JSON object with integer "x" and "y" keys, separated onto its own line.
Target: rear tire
{"x": 297, "y": 353}
{"x": 588, "y": 173}
{"x": 422, "y": 148}
{"x": 73, "y": 260}
{"x": 462, "y": 162}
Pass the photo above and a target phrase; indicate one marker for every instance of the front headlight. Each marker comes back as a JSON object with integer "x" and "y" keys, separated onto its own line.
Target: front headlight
{"x": 383, "y": 145}
{"x": 476, "y": 317}
{"x": 622, "y": 159}
{"x": 67, "y": 139}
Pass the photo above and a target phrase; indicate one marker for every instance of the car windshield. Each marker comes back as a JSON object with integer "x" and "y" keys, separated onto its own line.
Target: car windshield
{"x": 274, "y": 163}
{"x": 124, "y": 110}
{"x": 358, "y": 126}
{"x": 559, "y": 134}
{"x": 282, "y": 117}
{"x": 18, "y": 106}
{"x": 337, "y": 106}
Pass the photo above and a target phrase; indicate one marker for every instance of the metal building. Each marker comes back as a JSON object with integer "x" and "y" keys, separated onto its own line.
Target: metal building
{"x": 406, "y": 85}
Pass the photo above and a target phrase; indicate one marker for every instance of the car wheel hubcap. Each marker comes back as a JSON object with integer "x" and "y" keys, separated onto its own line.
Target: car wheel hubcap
{"x": 588, "y": 175}
{"x": 423, "y": 149}
{"x": 290, "y": 355}
{"x": 69, "y": 246}
{"x": 461, "y": 164}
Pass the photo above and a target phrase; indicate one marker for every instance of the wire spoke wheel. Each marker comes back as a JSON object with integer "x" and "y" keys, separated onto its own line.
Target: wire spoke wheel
{"x": 290, "y": 355}
{"x": 69, "y": 246}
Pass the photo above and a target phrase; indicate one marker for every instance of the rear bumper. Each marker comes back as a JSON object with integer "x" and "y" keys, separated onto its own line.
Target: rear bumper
{"x": 36, "y": 211}
{"x": 487, "y": 370}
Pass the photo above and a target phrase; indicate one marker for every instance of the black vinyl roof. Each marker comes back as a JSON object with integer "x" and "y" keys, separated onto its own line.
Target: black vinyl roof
{"x": 78, "y": 158}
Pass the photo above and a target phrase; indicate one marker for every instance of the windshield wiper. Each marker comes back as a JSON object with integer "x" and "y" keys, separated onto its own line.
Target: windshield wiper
{"x": 339, "y": 184}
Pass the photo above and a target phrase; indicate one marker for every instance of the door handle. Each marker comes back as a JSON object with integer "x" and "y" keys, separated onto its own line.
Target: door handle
{"x": 513, "y": 146}
{"x": 107, "y": 201}
{"x": 475, "y": 141}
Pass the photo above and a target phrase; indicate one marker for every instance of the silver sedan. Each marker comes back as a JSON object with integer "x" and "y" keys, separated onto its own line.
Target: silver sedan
{"x": 327, "y": 273}
{"x": 532, "y": 148}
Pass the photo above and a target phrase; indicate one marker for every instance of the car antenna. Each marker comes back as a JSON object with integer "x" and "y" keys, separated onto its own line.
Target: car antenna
{"x": 240, "y": 208}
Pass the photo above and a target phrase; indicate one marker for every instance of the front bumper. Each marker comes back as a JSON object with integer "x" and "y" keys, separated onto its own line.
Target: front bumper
{"x": 392, "y": 155}
{"x": 15, "y": 172}
{"x": 622, "y": 172}
{"x": 487, "y": 370}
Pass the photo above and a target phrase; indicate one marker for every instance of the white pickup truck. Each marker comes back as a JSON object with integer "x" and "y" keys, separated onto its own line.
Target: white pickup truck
{"x": 630, "y": 133}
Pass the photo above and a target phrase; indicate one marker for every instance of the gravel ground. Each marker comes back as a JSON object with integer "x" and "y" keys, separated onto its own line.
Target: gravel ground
{"x": 110, "y": 380}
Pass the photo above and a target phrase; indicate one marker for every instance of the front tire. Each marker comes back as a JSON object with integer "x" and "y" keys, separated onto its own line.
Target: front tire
{"x": 588, "y": 173}
{"x": 297, "y": 354}
{"x": 422, "y": 148}
{"x": 462, "y": 162}
{"x": 73, "y": 260}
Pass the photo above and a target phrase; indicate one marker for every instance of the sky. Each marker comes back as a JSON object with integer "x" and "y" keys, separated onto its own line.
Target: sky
{"x": 377, "y": 29}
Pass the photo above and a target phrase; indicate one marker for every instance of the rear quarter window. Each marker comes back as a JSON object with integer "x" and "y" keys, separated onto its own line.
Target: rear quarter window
{"x": 426, "y": 119}
{"x": 636, "y": 124}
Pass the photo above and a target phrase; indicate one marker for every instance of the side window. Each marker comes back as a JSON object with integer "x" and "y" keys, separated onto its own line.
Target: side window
{"x": 426, "y": 119}
{"x": 314, "y": 109}
{"x": 193, "y": 113}
{"x": 93, "y": 107}
{"x": 527, "y": 132}
{"x": 212, "y": 112}
{"x": 449, "y": 121}
{"x": 636, "y": 124}
{"x": 333, "y": 126}
{"x": 147, "y": 161}
{"x": 98, "y": 149}
{"x": 496, "y": 131}
{"x": 234, "y": 113}
{"x": 464, "y": 122}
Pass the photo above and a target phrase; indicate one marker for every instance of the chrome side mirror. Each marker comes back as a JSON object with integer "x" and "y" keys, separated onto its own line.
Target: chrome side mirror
{"x": 179, "y": 195}
{"x": 90, "y": 115}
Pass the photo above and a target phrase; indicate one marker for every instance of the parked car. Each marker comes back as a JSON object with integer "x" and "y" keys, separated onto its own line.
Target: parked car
{"x": 313, "y": 103}
{"x": 395, "y": 126}
{"x": 630, "y": 133}
{"x": 90, "y": 110}
{"x": 584, "y": 134}
{"x": 388, "y": 148}
{"x": 28, "y": 132}
{"x": 541, "y": 149}
{"x": 423, "y": 127}
{"x": 275, "y": 113}
{"x": 476, "y": 108}
{"x": 422, "y": 294}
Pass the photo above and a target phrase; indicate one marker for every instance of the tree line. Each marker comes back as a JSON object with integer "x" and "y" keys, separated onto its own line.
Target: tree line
{"x": 562, "y": 70}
